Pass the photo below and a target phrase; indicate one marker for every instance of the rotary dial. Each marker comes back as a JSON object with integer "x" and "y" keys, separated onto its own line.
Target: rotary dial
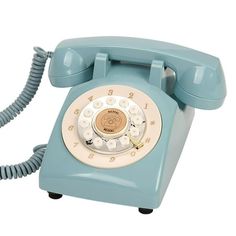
{"x": 111, "y": 126}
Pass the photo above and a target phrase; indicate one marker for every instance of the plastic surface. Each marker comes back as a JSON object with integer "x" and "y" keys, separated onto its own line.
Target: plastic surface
{"x": 199, "y": 77}
{"x": 141, "y": 184}
{"x": 140, "y": 64}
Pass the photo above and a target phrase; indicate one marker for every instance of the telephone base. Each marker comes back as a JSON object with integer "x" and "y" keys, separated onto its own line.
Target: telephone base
{"x": 145, "y": 211}
{"x": 54, "y": 195}
{"x": 141, "y": 184}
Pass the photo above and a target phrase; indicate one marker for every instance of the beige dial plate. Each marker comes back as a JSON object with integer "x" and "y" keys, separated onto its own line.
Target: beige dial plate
{"x": 109, "y": 121}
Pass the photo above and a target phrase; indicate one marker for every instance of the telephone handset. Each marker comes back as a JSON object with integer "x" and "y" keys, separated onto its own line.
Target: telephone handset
{"x": 124, "y": 123}
{"x": 199, "y": 77}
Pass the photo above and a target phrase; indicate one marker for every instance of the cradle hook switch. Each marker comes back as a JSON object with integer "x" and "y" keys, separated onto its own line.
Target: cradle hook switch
{"x": 101, "y": 65}
{"x": 157, "y": 73}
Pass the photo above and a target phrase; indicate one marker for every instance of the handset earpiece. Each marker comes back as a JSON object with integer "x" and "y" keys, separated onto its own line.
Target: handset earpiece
{"x": 68, "y": 68}
{"x": 202, "y": 86}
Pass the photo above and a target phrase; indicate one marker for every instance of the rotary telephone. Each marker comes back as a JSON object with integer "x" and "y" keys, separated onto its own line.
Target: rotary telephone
{"x": 123, "y": 125}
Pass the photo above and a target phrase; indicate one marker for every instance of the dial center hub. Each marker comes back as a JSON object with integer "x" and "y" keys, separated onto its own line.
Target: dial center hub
{"x": 111, "y": 122}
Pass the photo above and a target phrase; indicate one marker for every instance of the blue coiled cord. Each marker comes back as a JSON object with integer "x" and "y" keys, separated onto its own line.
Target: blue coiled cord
{"x": 8, "y": 114}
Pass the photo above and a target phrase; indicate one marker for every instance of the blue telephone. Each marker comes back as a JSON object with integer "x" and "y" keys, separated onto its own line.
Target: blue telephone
{"x": 123, "y": 125}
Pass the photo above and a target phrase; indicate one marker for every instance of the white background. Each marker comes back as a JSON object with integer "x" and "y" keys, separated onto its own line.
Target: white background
{"x": 201, "y": 198}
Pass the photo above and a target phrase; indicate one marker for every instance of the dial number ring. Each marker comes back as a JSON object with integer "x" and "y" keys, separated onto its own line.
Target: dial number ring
{"x": 103, "y": 160}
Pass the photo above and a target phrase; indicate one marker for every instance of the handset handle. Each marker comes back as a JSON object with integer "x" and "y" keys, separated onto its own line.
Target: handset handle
{"x": 199, "y": 77}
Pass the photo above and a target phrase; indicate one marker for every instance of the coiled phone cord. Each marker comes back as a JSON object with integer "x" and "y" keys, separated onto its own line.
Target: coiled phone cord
{"x": 8, "y": 114}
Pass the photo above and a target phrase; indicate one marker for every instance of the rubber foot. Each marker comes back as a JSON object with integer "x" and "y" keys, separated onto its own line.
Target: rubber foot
{"x": 54, "y": 195}
{"x": 145, "y": 211}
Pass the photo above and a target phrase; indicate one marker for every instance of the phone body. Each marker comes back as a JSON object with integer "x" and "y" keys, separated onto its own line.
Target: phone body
{"x": 123, "y": 125}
